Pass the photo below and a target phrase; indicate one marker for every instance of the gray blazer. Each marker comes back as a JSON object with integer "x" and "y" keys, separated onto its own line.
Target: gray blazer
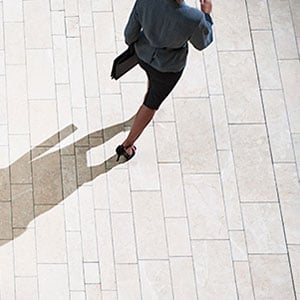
{"x": 160, "y": 30}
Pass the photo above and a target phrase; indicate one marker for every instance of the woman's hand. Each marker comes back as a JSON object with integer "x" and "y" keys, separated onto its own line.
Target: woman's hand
{"x": 206, "y": 6}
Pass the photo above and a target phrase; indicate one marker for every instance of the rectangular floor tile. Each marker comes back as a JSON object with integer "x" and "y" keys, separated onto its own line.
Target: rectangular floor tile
{"x": 149, "y": 225}
{"x": 128, "y": 280}
{"x": 253, "y": 163}
{"x": 214, "y": 270}
{"x": 271, "y": 277}
{"x": 155, "y": 280}
{"x": 243, "y": 280}
{"x": 205, "y": 207}
{"x": 195, "y": 136}
{"x": 13, "y": 10}
{"x": 294, "y": 251}
{"x": 60, "y": 59}
{"x": 263, "y": 225}
{"x": 27, "y": 288}
{"x": 258, "y": 14}
{"x": 238, "y": 245}
{"x": 243, "y": 99}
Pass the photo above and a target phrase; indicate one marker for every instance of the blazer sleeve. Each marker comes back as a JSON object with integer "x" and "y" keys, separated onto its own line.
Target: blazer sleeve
{"x": 203, "y": 33}
{"x": 133, "y": 27}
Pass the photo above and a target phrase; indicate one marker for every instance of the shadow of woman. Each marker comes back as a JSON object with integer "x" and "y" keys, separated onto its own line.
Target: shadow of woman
{"x": 38, "y": 178}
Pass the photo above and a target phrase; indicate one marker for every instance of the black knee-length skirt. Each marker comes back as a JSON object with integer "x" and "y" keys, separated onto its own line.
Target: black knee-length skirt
{"x": 160, "y": 85}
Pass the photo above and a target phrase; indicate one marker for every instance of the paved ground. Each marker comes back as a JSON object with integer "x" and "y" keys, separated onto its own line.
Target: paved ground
{"x": 210, "y": 206}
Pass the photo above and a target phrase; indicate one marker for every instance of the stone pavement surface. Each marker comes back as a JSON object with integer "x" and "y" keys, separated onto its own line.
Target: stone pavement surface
{"x": 209, "y": 207}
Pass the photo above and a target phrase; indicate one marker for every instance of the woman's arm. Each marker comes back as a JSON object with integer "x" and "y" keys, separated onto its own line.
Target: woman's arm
{"x": 133, "y": 27}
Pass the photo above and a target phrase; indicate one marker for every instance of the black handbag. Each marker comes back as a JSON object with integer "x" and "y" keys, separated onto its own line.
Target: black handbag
{"x": 124, "y": 62}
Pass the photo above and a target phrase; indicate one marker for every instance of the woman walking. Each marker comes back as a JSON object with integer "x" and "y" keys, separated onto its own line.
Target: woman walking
{"x": 160, "y": 30}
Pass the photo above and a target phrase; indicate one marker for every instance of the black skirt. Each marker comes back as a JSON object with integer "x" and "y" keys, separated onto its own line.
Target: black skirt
{"x": 160, "y": 85}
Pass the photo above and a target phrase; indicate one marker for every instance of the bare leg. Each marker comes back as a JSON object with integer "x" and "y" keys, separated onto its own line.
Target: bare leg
{"x": 142, "y": 119}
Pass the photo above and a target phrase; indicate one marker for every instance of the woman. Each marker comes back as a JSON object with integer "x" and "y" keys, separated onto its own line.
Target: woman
{"x": 160, "y": 30}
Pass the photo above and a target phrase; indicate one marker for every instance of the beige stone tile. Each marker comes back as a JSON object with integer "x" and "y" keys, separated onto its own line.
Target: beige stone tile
{"x": 195, "y": 136}
{"x": 294, "y": 252}
{"x": 287, "y": 182}
{"x": 47, "y": 177}
{"x": 105, "y": 250}
{"x": 278, "y": 126}
{"x": 233, "y": 34}
{"x": 271, "y": 277}
{"x": 258, "y": 14}
{"x": 13, "y": 11}
{"x": 40, "y": 84}
{"x": 94, "y": 115}
{"x": 77, "y": 295}
{"x": 241, "y": 87}
{"x": 238, "y": 245}
{"x": 193, "y": 82}
{"x": 128, "y": 282}
{"x": 214, "y": 270}
{"x": 220, "y": 122}
{"x": 3, "y": 135}
{"x": 7, "y": 282}
{"x": 183, "y": 278}
{"x": 105, "y": 40}
{"x": 43, "y": 121}
{"x": 123, "y": 238}
{"x": 75, "y": 257}
{"x": 104, "y": 64}
{"x": 64, "y": 110}
{"x": 253, "y": 163}
{"x": 230, "y": 190}
{"x": 263, "y": 226}
{"x": 267, "y": 65}
{"x": 27, "y": 288}
{"x": 72, "y": 27}
{"x": 119, "y": 191}
{"x": 76, "y": 72}
{"x": 296, "y": 141}
{"x": 121, "y": 10}
{"x": 57, "y": 4}
{"x": 3, "y": 103}
{"x": 149, "y": 225}
{"x": 205, "y": 207}
{"x": 101, "y": 194}
{"x": 1, "y": 27}
{"x": 155, "y": 279}
{"x": 290, "y": 73}
{"x": 2, "y": 59}
{"x": 93, "y": 291}
{"x": 212, "y": 69}
{"x": 4, "y": 175}
{"x": 58, "y": 22}
{"x": 25, "y": 252}
{"x": 295, "y": 10}
{"x": 84, "y": 173}
{"x": 53, "y": 281}
{"x": 37, "y": 24}
{"x": 109, "y": 295}
{"x": 243, "y": 280}
{"x": 178, "y": 237}
{"x": 88, "y": 224}
{"x": 17, "y": 105}
{"x": 20, "y": 166}
{"x": 71, "y": 8}
{"x": 14, "y": 43}
{"x": 166, "y": 111}
{"x": 111, "y": 108}
{"x": 101, "y": 5}
{"x": 85, "y": 13}
{"x": 91, "y": 272}
{"x": 172, "y": 190}
{"x": 68, "y": 175}
{"x": 290, "y": 214}
{"x": 5, "y": 221}
{"x": 50, "y": 234}
{"x": 81, "y": 122}
{"x": 89, "y": 62}
{"x": 144, "y": 169}
{"x": 72, "y": 218}
{"x": 166, "y": 142}
{"x": 132, "y": 97}
{"x": 60, "y": 59}
{"x": 283, "y": 29}
{"x": 22, "y": 205}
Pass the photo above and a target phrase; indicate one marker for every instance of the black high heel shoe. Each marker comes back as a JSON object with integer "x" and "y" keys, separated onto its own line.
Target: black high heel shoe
{"x": 121, "y": 150}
